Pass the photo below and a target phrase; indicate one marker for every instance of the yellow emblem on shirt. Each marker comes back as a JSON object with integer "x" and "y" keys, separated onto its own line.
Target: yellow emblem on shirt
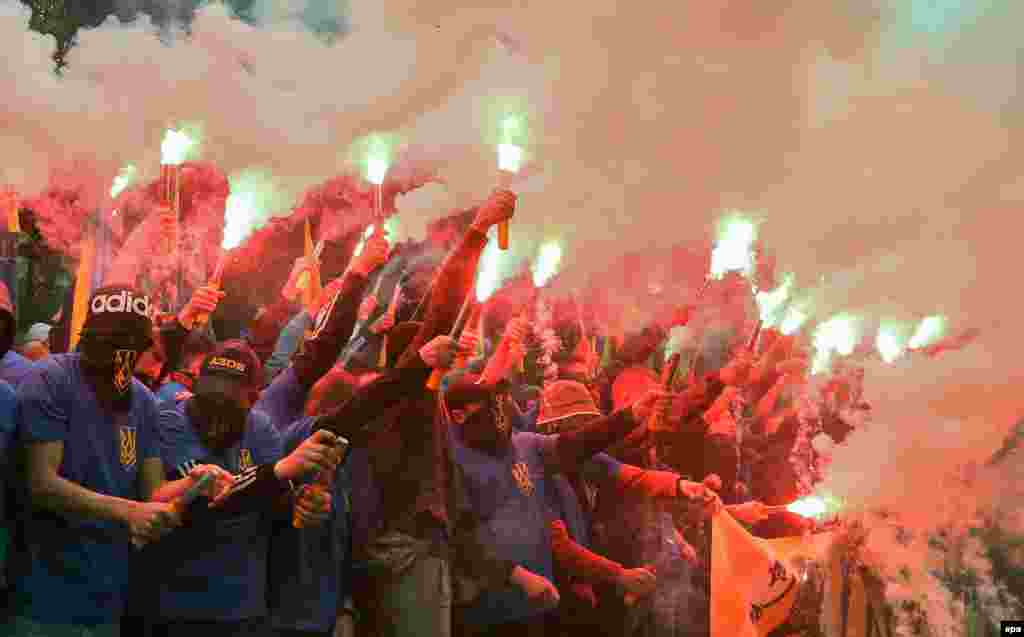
{"x": 521, "y": 474}
{"x": 244, "y": 459}
{"x": 128, "y": 446}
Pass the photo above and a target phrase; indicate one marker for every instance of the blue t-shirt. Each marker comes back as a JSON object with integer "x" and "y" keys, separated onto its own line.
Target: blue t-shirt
{"x": 214, "y": 570}
{"x": 14, "y": 367}
{"x": 288, "y": 342}
{"x": 309, "y": 567}
{"x": 76, "y": 571}
{"x": 168, "y": 392}
{"x": 511, "y": 496}
{"x": 284, "y": 400}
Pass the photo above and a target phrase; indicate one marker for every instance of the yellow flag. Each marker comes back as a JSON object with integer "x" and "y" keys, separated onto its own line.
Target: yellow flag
{"x": 753, "y": 583}
{"x": 750, "y": 599}
{"x": 83, "y": 285}
{"x": 10, "y": 205}
{"x": 310, "y": 284}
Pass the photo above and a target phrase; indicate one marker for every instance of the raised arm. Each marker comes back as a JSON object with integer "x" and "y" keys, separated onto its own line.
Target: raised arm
{"x": 337, "y": 318}
{"x": 455, "y": 279}
{"x": 371, "y": 401}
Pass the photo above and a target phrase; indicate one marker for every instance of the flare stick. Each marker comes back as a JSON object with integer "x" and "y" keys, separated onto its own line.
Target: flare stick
{"x": 434, "y": 382}
{"x": 382, "y": 360}
{"x": 752, "y": 345}
{"x": 215, "y": 282}
{"x": 322, "y": 485}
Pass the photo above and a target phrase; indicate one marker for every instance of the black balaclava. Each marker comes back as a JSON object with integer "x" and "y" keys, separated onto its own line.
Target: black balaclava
{"x": 219, "y": 409}
{"x": 118, "y": 328}
{"x": 489, "y": 429}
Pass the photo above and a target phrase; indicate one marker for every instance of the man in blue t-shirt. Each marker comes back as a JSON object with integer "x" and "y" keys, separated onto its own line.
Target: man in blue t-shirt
{"x": 92, "y": 462}
{"x": 219, "y": 426}
{"x": 508, "y": 480}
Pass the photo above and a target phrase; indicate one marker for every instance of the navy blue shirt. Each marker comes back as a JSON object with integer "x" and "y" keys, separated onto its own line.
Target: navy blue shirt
{"x": 284, "y": 400}
{"x": 14, "y": 368}
{"x": 215, "y": 570}
{"x": 169, "y": 392}
{"x": 512, "y": 496}
{"x": 76, "y": 571}
{"x": 309, "y": 566}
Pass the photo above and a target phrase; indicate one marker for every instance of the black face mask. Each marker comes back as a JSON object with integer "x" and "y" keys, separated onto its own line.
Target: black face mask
{"x": 109, "y": 363}
{"x": 489, "y": 429}
{"x": 218, "y": 419}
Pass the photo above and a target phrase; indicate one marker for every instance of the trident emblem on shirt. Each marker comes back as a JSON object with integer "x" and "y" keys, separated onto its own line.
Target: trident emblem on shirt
{"x": 521, "y": 474}
{"x": 128, "y": 446}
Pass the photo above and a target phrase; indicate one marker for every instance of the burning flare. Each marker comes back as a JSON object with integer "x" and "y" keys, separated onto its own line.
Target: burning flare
{"x": 814, "y": 506}
{"x": 891, "y": 341}
{"x": 175, "y": 147}
{"x": 734, "y": 250}
{"x": 125, "y": 178}
{"x": 772, "y": 305}
{"x": 547, "y": 262}
{"x": 488, "y": 279}
{"x": 794, "y": 319}
{"x": 510, "y": 153}
{"x": 252, "y": 199}
{"x": 928, "y": 332}
{"x": 838, "y": 335}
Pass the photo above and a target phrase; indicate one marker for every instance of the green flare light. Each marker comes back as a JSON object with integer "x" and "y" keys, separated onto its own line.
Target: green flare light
{"x": 175, "y": 148}
{"x": 510, "y": 152}
{"x": 928, "y": 332}
{"x": 489, "y": 276}
{"x": 814, "y": 506}
{"x": 253, "y": 197}
{"x": 124, "y": 179}
{"x": 547, "y": 262}
{"x": 794, "y": 319}
{"x": 891, "y": 341}
{"x": 734, "y": 249}
{"x": 771, "y": 304}
{"x": 373, "y": 154}
{"x": 510, "y": 144}
{"x": 838, "y": 335}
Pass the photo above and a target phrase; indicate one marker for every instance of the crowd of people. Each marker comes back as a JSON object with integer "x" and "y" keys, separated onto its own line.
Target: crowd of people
{"x": 424, "y": 467}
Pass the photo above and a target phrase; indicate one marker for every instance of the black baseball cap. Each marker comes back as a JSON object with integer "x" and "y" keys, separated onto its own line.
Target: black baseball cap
{"x": 119, "y": 310}
{"x": 233, "y": 370}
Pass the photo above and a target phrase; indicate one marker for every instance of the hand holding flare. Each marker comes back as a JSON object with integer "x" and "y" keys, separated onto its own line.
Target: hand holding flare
{"x": 309, "y": 281}
{"x": 656, "y": 421}
{"x": 434, "y": 382}
{"x": 201, "y": 319}
{"x": 384, "y": 324}
{"x": 313, "y": 503}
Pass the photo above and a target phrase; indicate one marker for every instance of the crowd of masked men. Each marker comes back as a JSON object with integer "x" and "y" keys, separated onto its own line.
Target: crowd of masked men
{"x": 309, "y": 478}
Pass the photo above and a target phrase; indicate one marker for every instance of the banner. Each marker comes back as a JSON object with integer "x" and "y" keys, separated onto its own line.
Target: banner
{"x": 787, "y": 586}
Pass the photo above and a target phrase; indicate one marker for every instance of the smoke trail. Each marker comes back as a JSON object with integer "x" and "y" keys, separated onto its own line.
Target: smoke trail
{"x": 875, "y": 142}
